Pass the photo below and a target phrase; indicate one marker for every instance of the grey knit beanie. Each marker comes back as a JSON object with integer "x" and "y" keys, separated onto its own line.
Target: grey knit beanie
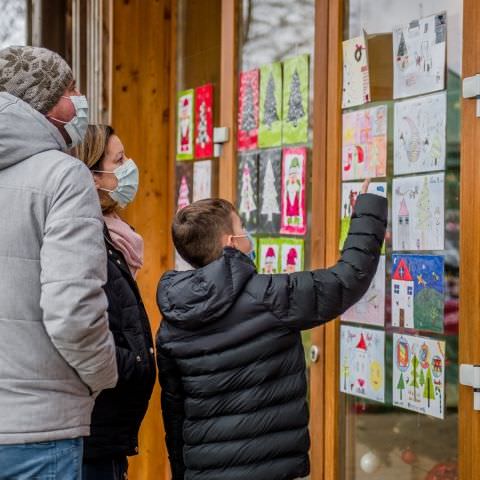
{"x": 36, "y": 75}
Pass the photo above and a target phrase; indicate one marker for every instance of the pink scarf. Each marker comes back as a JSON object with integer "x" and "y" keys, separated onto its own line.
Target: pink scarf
{"x": 127, "y": 241}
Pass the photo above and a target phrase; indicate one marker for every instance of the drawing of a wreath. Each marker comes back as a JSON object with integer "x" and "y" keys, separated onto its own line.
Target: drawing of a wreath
{"x": 358, "y": 53}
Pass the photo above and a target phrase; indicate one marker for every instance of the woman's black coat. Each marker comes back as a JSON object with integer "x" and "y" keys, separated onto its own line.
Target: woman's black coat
{"x": 118, "y": 412}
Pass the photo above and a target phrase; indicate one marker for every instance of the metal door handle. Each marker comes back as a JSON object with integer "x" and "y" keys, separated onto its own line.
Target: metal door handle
{"x": 471, "y": 89}
{"x": 314, "y": 353}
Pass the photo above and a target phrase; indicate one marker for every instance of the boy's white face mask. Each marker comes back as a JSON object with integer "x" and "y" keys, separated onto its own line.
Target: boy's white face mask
{"x": 251, "y": 253}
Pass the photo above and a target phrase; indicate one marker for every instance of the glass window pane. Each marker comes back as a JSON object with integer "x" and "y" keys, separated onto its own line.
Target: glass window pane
{"x": 272, "y": 31}
{"x": 380, "y": 440}
{"x": 198, "y": 65}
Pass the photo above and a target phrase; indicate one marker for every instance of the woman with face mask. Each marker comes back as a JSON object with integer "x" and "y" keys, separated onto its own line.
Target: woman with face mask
{"x": 119, "y": 412}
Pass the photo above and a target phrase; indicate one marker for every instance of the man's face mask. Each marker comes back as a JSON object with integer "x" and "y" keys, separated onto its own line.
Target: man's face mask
{"x": 77, "y": 126}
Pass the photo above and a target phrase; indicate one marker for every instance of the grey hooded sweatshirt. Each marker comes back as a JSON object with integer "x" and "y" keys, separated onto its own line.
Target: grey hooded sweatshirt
{"x": 56, "y": 350}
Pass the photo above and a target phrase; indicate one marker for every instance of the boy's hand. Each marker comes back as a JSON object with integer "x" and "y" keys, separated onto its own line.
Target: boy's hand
{"x": 365, "y": 185}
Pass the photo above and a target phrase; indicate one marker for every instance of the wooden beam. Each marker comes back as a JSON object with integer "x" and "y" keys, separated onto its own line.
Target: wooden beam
{"x": 333, "y": 155}
{"x": 228, "y": 96}
{"x": 142, "y": 109}
{"x": 318, "y": 240}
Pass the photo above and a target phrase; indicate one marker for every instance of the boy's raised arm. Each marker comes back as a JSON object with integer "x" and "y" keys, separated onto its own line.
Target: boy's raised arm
{"x": 315, "y": 297}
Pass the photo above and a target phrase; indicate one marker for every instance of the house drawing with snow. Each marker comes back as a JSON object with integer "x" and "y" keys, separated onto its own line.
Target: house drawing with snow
{"x": 402, "y": 296}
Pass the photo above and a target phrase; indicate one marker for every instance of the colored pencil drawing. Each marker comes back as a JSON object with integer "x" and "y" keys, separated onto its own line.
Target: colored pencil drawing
{"x": 270, "y": 190}
{"x": 350, "y": 192}
{"x": 418, "y": 381}
{"x": 202, "y": 180}
{"x": 204, "y": 121}
{"x": 370, "y": 309}
{"x": 291, "y": 255}
{"x": 270, "y": 127}
{"x": 247, "y": 129}
{"x": 362, "y": 362}
{"x": 184, "y": 184}
{"x": 294, "y": 214}
{"x": 268, "y": 260}
{"x": 420, "y": 134}
{"x": 418, "y": 292}
{"x": 356, "y": 81}
{"x": 247, "y": 189}
{"x": 364, "y": 147}
{"x": 418, "y": 212}
{"x": 185, "y": 125}
{"x": 295, "y": 100}
{"x": 419, "y": 50}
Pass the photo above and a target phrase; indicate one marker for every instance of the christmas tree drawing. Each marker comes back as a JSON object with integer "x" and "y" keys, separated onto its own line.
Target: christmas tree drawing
{"x": 247, "y": 202}
{"x": 421, "y": 380}
{"x": 248, "y": 110}
{"x": 203, "y": 137}
{"x": 270, "y": 205}
{"x": 295, "y": 101}
{"x": 270, "y": 113}
{"x": 401, "y": 385}
{"x": 402, "y": 47}
{"x": 414, "y": 377}
{"x": 183, "y": 194}
{"x": 424, "y": 214}
{"x": 429, "y": 391}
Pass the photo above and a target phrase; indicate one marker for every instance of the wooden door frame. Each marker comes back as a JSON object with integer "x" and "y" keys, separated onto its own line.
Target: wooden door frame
{"x": 318, "y": 237}
{"x": 332, "y": 151}
{"x": 469, "y": 328}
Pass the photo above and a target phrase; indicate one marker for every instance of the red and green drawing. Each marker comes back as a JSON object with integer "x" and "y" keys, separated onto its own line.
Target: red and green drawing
{"x": 295, "y": 100}
{"x": 270, "y": 127}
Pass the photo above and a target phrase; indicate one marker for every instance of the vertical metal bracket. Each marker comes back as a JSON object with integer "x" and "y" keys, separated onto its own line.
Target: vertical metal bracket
{"x": 221, "y": 135}
{"x": 470, "y": 377}
{"x": 471, "y": 89}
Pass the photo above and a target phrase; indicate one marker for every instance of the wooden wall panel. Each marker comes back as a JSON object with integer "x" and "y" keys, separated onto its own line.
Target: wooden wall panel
{"x": 141, "y": 111}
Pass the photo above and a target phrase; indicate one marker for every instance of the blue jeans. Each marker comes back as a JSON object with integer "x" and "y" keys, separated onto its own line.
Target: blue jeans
{"x": 55, "y": 460}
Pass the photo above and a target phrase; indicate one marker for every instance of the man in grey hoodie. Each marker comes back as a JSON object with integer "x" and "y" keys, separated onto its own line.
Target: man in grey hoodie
{"x": 56, "y": 349}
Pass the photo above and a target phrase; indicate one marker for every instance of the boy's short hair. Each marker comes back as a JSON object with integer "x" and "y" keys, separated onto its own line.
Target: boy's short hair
{"x": 197, "y": 230}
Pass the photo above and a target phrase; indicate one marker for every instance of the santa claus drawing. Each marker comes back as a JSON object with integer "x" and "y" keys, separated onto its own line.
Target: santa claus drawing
{"x": 184, "y": 121}
{"x": 270, "y": 261}
{"x": 292, "y": 259}
{"x": 293, "y": 191}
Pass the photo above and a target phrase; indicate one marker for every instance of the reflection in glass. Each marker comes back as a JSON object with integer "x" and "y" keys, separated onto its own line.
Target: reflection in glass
{"x": 13, "y": 29}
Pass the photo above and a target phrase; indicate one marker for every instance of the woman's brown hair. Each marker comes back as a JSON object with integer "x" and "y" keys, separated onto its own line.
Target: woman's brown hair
{"x": 91, "y": 152}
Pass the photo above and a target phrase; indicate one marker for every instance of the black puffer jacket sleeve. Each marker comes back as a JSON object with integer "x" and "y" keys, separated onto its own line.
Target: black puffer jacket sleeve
{"x": 172, "y": 401}
{"x": 308, "y": 299}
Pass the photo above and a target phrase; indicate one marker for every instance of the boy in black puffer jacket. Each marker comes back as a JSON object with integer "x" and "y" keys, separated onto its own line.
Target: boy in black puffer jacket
{"x": 229, "y": 351}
